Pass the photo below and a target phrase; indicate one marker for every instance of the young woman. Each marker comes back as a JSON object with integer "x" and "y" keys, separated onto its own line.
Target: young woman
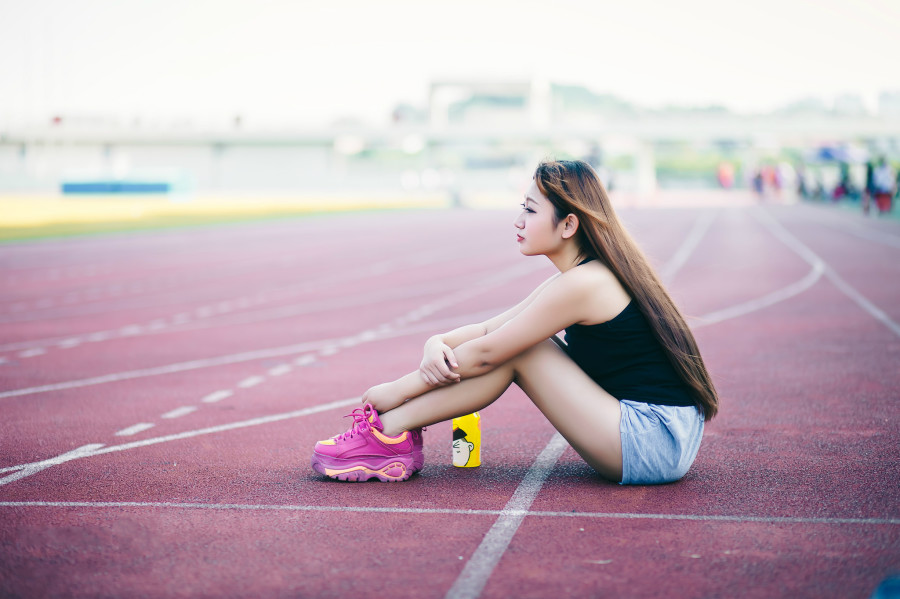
{"x": 627, "y": 389}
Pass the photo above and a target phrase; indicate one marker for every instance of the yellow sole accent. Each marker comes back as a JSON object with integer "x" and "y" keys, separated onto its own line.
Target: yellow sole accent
{"x": 389, "y": 440}
{"x": 403, "y": 475}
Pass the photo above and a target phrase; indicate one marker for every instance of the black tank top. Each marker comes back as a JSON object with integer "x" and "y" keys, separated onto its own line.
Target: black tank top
{"x": 623, "y": 356}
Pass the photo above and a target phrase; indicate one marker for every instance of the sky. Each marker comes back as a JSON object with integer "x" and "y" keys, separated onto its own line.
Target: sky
{"x": 311, "y": 63}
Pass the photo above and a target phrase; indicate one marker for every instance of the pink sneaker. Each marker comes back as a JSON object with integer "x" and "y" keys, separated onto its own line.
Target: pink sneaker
{"x": 364, "y": 451}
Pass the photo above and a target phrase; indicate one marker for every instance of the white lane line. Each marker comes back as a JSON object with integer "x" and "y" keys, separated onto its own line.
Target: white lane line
{"x": 280, "y": 370}
{"x": 346, "y": 275}
{"x": 257, "y": 316}
{"x": 68, "y": 343}
{"x": 305, "y": 360}
{"x": 35, "y": 467}
{"x": 217, "y": 396}
{"x": 773, "y": 298}
{"x": 384, "y": 332}
{"x": 876, "y": 236}
{"x": 856, "y": 228}
{"x": 251, "y": 381}
{"x": 179, "y": 412}
{"x": 698, "y": 231}
{"x": 133, "y": 430}
{"x": 779, "y": 295}
{"x": 481, "y": 564}
{"x": 788, "y": 239}
{"x": 171, "y": 368}
{"x": 862, "y": 301}
{"x": 30, "y": 353}
{"x": 211, "y": 430}
{"x": 448, "y": 511}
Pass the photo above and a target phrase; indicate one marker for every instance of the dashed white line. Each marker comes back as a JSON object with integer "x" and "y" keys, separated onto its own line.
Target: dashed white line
{"x": 168, "y": 369}
{"x": 251, "y": 381}
{"x": 133, "y": 430}
{"x": 305, "y": 360}
{"x": 179, "y": 412}
{"x": 207, "y": 431}
{"x": 30, "y": 353}
{"x": 69, "y": 343}
{"x": 280, "y": 370}
{"x": 217, "y": 396}
{"x": 221, "y": 360}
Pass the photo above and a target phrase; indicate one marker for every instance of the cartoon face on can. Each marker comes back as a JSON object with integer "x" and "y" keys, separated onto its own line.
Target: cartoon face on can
{"x": 462, "y": 448}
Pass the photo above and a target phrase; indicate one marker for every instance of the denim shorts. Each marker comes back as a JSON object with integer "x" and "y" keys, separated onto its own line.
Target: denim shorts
{"x": 659, "y": 443}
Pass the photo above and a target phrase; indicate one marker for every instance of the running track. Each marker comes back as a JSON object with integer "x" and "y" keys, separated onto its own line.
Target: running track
{"x": 161, "y": 394}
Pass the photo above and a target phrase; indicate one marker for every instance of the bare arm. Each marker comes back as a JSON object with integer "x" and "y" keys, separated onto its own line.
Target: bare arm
{"x": 561, "y": 303}
{"x": 555, "y": 306}
{"x": 438, "y": 359}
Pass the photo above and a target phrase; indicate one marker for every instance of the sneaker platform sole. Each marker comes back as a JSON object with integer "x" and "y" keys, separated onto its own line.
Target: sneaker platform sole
{"x": 394, "y": 469}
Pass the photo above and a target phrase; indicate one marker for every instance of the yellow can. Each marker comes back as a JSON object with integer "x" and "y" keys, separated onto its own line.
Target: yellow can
{"x": 467, "y": 441}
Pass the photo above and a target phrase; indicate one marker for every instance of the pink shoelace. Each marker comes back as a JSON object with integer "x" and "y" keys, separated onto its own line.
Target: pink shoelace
{"x": 360, "y": 422}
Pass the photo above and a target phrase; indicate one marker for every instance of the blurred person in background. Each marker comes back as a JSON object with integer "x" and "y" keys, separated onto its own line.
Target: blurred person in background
{"x": 884, "y": 185}
{"x": 845, "y": 187}
{"x": 869, "y": 190}
{"x": 725, "y": 175}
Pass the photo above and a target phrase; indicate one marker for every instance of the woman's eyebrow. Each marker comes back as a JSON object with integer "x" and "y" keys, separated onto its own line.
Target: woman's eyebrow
{"x": 527, "y": 199}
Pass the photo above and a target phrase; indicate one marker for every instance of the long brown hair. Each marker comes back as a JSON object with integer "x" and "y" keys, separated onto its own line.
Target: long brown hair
{"x": 573, "y": 187}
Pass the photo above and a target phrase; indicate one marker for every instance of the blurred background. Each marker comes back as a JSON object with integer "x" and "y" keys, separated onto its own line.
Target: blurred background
{"x": 292, "y": 104}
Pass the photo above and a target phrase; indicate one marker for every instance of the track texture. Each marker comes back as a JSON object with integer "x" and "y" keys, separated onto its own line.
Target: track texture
{"x": 161, "y": 394}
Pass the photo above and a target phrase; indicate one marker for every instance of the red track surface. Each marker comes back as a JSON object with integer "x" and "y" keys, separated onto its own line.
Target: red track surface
{"x": 259, "y": 327}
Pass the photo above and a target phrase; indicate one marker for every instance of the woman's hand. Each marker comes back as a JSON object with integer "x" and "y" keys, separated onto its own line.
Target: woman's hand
{"x": 383, "y": 397}
{"x": 437, "y": 363}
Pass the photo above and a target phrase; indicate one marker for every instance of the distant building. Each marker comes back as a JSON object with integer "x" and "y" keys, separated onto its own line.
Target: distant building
{"x": 809, "y": 105}
{"x": 485, "y": 103}
{"x": 889, "y": 104}
{"x": 849, "y": 105}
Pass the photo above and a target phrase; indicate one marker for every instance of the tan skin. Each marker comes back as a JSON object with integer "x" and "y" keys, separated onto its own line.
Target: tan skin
{"x": 466, "y": 369}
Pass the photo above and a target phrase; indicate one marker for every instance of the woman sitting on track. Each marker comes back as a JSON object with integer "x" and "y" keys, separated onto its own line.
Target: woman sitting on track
{"x": 628, "y": 389}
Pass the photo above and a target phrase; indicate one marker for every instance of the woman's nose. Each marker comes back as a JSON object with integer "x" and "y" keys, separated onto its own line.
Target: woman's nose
{"x": 519, "y": 223}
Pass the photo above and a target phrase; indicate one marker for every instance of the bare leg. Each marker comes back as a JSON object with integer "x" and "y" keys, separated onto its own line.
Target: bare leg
{"x": 586, "y": 415}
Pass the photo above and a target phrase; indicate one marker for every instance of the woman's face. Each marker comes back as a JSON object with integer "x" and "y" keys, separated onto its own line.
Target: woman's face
{"x": 536, "y": 232}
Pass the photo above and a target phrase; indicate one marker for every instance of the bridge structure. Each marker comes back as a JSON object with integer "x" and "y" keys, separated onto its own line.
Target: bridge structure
{"x": 469, "y": 126}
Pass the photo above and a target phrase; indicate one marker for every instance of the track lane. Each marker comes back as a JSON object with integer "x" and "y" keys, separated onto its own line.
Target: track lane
{"x": 762, "y": 411}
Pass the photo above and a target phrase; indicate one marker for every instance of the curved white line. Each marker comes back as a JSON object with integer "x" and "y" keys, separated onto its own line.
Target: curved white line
{"x": 680, "y": 257}
{"x": 765, "y": 301}
{"x": 807, "y": 254}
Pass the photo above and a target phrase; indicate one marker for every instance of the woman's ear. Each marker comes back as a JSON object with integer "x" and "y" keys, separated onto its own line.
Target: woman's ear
{"x": 570, "y": 226}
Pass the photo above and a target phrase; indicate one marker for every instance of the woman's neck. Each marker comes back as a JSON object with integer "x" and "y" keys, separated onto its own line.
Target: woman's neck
{"x": 567, "y": 257}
